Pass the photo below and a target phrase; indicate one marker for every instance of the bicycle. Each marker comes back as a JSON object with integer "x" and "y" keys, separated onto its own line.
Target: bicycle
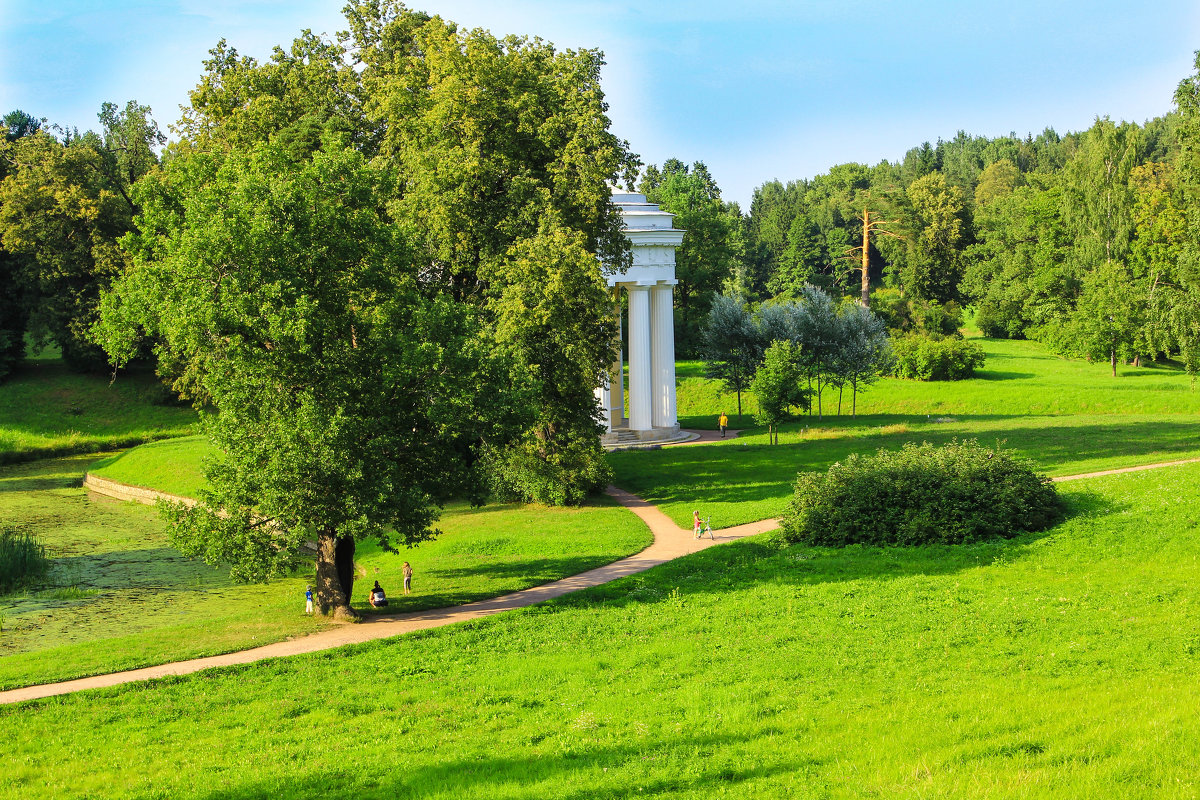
{"x": 705, "y": 528}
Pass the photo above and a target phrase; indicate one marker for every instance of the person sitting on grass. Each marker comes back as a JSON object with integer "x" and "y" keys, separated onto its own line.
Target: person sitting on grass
{"x": 377, "y": 598}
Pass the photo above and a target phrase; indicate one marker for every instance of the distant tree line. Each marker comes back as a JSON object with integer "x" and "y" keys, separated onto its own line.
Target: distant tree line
{"x": 1086, "y": 241}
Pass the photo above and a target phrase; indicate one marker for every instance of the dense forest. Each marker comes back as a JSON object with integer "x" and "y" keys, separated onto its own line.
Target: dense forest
{"x": 1085, "y": 241}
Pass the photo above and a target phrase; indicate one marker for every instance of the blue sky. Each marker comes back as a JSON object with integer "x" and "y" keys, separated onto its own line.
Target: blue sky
{"x": 758, "y": 91}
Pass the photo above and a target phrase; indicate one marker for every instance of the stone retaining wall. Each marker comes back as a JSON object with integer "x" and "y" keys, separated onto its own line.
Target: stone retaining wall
{"x": 124, "y": 491}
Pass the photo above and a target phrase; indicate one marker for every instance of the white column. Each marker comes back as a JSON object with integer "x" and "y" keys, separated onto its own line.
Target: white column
{"x": 617, "y": 393}
{"x": 640, "y": 375}
{"x": 663, "y": 355}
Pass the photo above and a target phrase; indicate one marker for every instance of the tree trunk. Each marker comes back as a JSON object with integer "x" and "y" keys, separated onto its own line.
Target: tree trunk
{"x": 335, "y": 575}
{"x": 866, "y": 263}
{"x": 1114, "y": 361}
{"x": 841, "y": 390}
{"x": 854, "y": 397}
{"x": 819, "y": 416}
{"x": 739, "y": 394}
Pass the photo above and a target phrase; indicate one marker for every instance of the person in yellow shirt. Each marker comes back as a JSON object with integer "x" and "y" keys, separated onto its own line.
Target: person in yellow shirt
{"x": 722, "y": 423}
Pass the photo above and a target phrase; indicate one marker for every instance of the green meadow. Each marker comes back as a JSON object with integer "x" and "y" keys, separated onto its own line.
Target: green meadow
{"x": 1019, "y": 378}
{"x": 1067, "y": 416}
{"x": 119, "y": 596}
{"x": 1055, "y": 665}
{"x": 1058, "y": 664}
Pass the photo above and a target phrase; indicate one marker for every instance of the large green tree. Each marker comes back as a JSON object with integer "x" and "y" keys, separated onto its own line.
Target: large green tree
{"x": 14, "y": 307}
{"x": 495, "y": 142}
{"x": 801, "y": 260}
{"x": 349, "y": 397}
{"x": 1097, "y": 195}
{"x": 1017, "y": 274}
{"x": 403, "y": 288}
{"x": 934, "y": 268}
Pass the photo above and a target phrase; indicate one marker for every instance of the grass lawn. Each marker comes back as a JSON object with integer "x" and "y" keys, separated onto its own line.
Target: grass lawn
{"x": 119, "y": 596}
{"x": 746, "y": 479}
{"x": 1068, "y": 416}
{"x": 1019, "y": 378}
{"x": 47, "y": 410}
{"x": 1055, "y": 665}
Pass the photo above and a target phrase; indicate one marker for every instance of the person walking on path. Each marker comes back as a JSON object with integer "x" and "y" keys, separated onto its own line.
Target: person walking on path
{"x": 307, "y": 599}
{"x": 722, "y": 423}
{"x": 407, "y": 578}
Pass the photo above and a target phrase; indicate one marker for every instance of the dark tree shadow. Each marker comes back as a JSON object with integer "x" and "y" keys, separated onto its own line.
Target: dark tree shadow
{"x": 512, "y": 774}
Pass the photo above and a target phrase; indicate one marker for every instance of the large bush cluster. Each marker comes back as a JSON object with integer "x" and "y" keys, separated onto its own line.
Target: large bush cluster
{"x": 929, "y": 359}
{"x": 956, "y": 493}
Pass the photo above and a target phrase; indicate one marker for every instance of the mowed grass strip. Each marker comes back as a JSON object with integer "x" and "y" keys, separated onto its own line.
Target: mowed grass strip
{"x": 47, "y": 410}
{"x": 1054, "y": 665}
{"x": 119, "y": 596}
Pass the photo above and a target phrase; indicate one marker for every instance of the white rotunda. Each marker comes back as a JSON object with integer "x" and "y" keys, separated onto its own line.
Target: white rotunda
{"x": 650, "y": 345}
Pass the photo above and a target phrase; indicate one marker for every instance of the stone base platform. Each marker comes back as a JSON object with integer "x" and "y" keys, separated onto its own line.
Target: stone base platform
{"x": 622, "y": 438}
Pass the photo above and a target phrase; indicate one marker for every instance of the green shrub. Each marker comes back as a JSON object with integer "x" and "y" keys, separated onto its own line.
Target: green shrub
{"x": 22, "y": 559}
{"x": 959, "y": 492}
{"x": 927, "y": 359}
{"x": 914, "y": 315}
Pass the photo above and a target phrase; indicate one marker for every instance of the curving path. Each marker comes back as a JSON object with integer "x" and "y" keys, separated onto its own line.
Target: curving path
{"x": 670, "y": 542}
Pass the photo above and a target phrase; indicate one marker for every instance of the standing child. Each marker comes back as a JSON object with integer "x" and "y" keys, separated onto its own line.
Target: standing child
{"x": 407, "y": 578}
{"x": 695, "y": 524}
{"x": 307, "y": 599}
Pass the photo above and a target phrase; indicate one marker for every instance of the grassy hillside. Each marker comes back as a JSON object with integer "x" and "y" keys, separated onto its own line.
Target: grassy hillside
{"x": 1055, "y": 665}
{"x": 119, "y": 596}
{"x": 47, "y": 410}
{"x": 174, "y": 466}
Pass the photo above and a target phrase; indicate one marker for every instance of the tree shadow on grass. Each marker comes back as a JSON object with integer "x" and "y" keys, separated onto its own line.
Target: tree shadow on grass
{"x": 42, "y": 483}
{"x": 520, "y": 574}
{"x": 1001, "y": 375}
{"x": 514, "y": 775}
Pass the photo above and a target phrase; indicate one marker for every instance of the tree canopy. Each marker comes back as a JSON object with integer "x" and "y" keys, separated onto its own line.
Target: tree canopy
{"x": 443, "y": 322}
